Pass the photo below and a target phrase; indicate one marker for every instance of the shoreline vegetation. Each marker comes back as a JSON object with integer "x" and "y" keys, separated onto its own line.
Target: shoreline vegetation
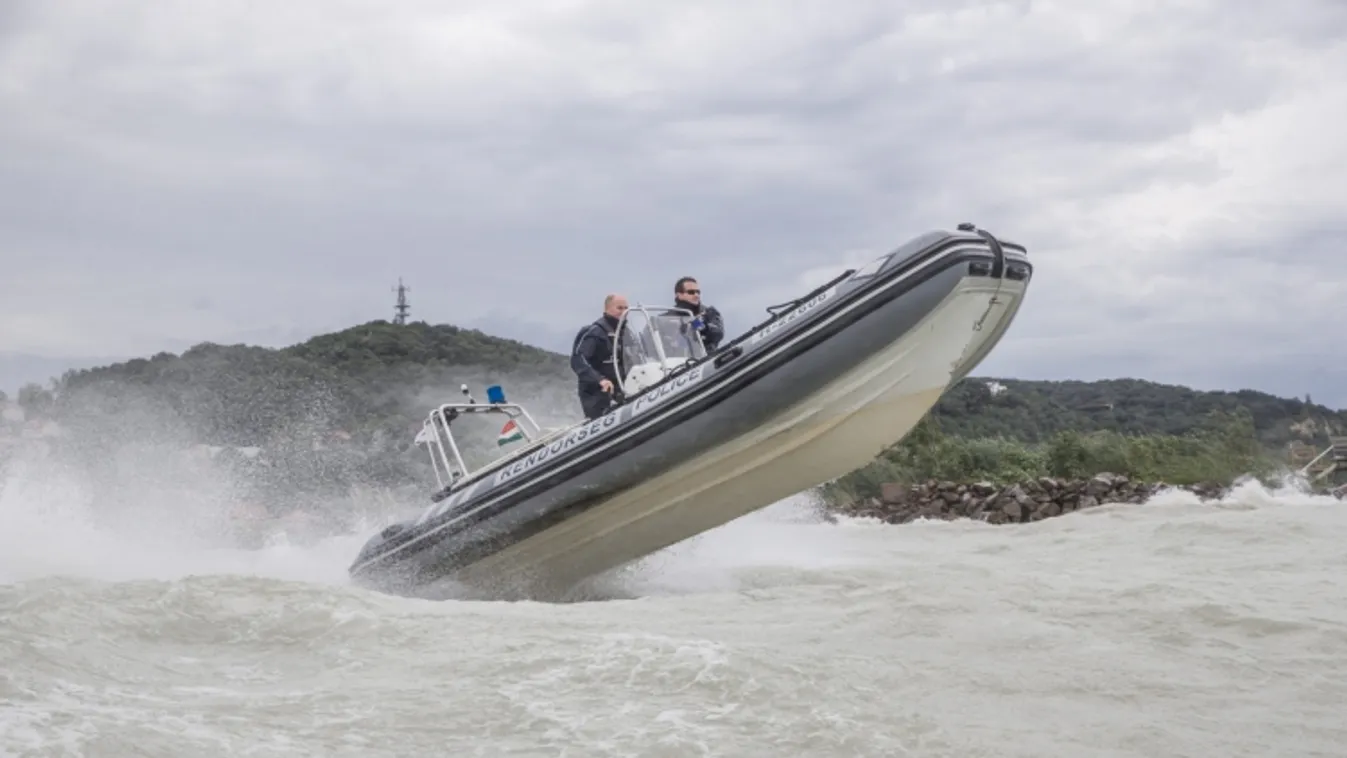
{"x": 300, "y": 427}
{"x": 933, "y": 475}
{"x": 1222, "y": 448}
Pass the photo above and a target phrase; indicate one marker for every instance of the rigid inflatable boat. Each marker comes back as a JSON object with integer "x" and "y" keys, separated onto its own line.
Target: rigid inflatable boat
{"x": 810, "y": 394}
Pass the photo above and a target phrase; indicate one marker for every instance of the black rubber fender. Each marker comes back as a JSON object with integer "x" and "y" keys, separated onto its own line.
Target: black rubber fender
{"x": 726, "y": 356}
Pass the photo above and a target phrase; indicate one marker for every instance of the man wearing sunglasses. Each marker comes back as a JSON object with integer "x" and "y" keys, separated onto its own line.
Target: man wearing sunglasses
{"x": 706, "y": 319}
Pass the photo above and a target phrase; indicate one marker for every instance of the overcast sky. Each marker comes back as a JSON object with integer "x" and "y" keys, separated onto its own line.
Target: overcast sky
{"x": 173, "y": 173}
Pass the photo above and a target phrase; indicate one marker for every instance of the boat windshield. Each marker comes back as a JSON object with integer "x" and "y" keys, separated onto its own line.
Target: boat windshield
{"x": 655, "y": 341}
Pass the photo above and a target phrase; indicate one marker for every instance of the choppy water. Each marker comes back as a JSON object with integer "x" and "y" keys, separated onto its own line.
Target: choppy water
{"x": 1170, "y": 629}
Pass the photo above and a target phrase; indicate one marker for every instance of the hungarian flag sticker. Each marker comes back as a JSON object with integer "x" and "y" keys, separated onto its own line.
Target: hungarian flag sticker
{"x": 510, "y": 433}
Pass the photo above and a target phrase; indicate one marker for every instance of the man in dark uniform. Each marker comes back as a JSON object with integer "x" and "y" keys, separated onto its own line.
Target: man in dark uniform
{"x": 706, "y": 319}
{"x": 594, "y": 362}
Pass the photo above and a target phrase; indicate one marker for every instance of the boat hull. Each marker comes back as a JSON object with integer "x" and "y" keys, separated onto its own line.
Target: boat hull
{"x": 813, "y": 396}
{"x": 833, "y": 431}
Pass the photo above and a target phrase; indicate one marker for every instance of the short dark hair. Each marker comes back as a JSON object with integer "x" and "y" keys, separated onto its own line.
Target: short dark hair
{"x": 678, "y": 285}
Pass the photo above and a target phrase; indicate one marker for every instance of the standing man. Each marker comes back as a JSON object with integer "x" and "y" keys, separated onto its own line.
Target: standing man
{"x": 594, "y": 362}
{"x": 706, "y": 319}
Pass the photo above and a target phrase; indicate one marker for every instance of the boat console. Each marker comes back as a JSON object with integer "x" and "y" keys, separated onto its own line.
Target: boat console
{"x": 652, "y": 342}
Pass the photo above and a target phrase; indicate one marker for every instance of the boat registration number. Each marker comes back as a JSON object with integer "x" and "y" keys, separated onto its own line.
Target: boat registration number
{"x": 794, "y": 315}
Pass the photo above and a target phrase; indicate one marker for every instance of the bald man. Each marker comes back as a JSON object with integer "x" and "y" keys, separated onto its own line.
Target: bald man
{"x": 593, "y": 362}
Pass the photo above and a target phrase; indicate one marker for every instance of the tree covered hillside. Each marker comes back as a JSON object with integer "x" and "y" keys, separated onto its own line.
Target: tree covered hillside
{"x": 1034, "y": 411}
{"x": 336, "y": 410}
{"x": 361, "y": 381}
{"x": 343, "y": 407}
{"x": 379, "y": 376}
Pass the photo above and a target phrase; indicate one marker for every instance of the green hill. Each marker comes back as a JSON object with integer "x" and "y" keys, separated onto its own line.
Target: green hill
{"x": 336, "y": 410}
{"x": 362, "y": 380}
{"x": 1033, "y": 411}
{"x": 342, "y": 409}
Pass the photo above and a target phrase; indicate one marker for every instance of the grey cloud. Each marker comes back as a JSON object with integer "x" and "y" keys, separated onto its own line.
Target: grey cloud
{"x": 310, "y": 156}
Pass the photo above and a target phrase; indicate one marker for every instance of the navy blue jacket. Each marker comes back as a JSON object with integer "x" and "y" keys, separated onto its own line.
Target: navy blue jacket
{"x": 592, "y": 355}
{"x": 713, "y": 326}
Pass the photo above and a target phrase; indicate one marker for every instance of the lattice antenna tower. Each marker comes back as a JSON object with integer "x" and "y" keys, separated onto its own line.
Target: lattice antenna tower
{"x": 403, "y": 306}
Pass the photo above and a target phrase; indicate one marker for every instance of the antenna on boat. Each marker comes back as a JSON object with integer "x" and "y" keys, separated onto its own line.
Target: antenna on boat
{"x": 467, "y": 395}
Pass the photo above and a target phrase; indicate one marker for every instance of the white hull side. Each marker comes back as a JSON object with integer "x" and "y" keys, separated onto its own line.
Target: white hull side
{"x": 831, "y": 433}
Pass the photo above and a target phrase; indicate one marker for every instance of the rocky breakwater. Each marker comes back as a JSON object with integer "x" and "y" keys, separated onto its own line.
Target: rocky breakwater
{"x": 1031, "y": 500}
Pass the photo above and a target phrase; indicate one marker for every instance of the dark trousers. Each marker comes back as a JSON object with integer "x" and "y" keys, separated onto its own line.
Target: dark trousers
{"x": 595, "y": 403}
